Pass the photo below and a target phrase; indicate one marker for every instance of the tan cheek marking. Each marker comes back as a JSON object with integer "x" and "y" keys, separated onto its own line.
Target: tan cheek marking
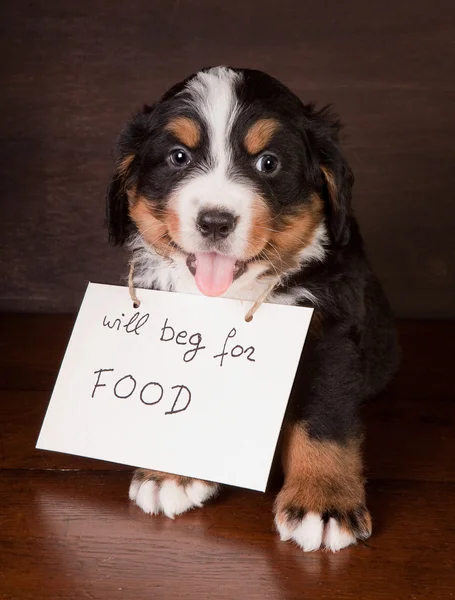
{"x": 260, "y": 230}
{"x": 325, "y": 472}
{"x": 259, "y": 135}
{"x": 186, "y": 130}
{"x": 294, "y": 233}
{"x": 152, "y": 228}
{"x": 299, "y": 229}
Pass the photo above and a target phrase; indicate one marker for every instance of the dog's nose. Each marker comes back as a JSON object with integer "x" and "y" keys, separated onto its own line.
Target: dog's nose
{"x": 216, "y": 224}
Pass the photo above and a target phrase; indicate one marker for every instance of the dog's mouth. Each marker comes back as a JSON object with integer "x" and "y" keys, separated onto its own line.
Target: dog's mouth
{"x": 214, "y": 272}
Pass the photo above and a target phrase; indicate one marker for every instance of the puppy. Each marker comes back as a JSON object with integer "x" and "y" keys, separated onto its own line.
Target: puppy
{"x": 230, "y": 186}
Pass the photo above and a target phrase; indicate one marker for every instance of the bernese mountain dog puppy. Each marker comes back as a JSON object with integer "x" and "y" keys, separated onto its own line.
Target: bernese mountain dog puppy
{"x": 231, "y": 186}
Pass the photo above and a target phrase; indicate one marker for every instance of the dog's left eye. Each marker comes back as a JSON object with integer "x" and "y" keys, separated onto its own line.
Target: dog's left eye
{"x": 180, "y": 158}
{"x": 267, "y": 163}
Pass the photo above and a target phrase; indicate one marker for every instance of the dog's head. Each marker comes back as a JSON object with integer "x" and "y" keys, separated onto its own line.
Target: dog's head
{"x": 230, "y": 172}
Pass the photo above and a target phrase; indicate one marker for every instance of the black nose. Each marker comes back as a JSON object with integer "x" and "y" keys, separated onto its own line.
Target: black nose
{"x": 216, "y": 224}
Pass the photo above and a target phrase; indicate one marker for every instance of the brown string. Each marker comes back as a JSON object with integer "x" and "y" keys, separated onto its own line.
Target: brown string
{"x": 134, "y": 298}
{"x": 260, "y": 300}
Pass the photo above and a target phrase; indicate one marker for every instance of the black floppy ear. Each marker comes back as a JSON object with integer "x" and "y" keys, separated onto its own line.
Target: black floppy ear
{"x": 124, "y": 178}
{"x": 117, "y": 207}
{"x": 327, "y": 165}
{"x": 338, "y": 181}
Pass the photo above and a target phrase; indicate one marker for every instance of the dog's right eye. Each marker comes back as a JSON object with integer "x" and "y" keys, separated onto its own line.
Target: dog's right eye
{"x": 180, "y": 158}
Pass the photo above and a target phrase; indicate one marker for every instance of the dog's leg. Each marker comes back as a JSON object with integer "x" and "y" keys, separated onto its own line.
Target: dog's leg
{"x": 322, "y": 502}
{"x": 156, "y": 492}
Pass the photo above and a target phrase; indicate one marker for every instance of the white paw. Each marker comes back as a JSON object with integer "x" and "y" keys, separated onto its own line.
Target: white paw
{"x": 169, "y": 497}
{"x": 311, "y": 532}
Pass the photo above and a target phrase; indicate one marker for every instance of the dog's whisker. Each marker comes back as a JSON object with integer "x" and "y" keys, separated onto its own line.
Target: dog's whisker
{"x": 268, "y": 261}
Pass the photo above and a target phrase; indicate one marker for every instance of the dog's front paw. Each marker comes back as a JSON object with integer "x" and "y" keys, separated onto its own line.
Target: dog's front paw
{"x": 314, "y": 517}
{"x": 156, "y": 492}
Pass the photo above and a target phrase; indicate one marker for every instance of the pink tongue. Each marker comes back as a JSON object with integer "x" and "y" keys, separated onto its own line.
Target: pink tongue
{"x": 214, "y": 273}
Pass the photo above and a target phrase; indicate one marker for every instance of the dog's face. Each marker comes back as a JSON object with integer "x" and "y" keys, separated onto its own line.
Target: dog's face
{"x": 231, "y": 173}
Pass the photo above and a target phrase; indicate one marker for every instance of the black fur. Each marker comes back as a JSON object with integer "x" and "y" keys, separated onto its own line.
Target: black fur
{"x": 307, "y": 141}
{"x": 355, "y": 352}
{"x": 352, "y": 351}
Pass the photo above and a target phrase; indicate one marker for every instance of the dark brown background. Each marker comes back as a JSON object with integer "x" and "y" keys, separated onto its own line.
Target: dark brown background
{"x": 74, "y": 70}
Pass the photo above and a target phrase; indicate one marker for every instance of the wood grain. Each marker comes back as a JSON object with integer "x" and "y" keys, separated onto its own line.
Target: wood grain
{"x": 75, "y": 70}
{"x": 68, "y": 531}
{"x": 74, "y": 535}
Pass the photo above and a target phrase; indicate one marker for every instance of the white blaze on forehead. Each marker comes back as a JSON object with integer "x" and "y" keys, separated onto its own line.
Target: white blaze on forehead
{"x": 212, "y": 186}
{"x": 214, "y": 97}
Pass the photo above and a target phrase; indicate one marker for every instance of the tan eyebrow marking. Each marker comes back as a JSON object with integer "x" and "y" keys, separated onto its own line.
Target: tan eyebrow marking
{"x": 260, "y": 134}
{"x": 185, "y": 130}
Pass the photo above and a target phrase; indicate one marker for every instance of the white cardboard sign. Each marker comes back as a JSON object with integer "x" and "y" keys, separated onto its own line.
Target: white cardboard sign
{"x": 183, "y": 384}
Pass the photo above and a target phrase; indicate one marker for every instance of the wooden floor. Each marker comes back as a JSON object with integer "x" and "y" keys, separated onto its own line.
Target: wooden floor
{"x": 67, "y": 529}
